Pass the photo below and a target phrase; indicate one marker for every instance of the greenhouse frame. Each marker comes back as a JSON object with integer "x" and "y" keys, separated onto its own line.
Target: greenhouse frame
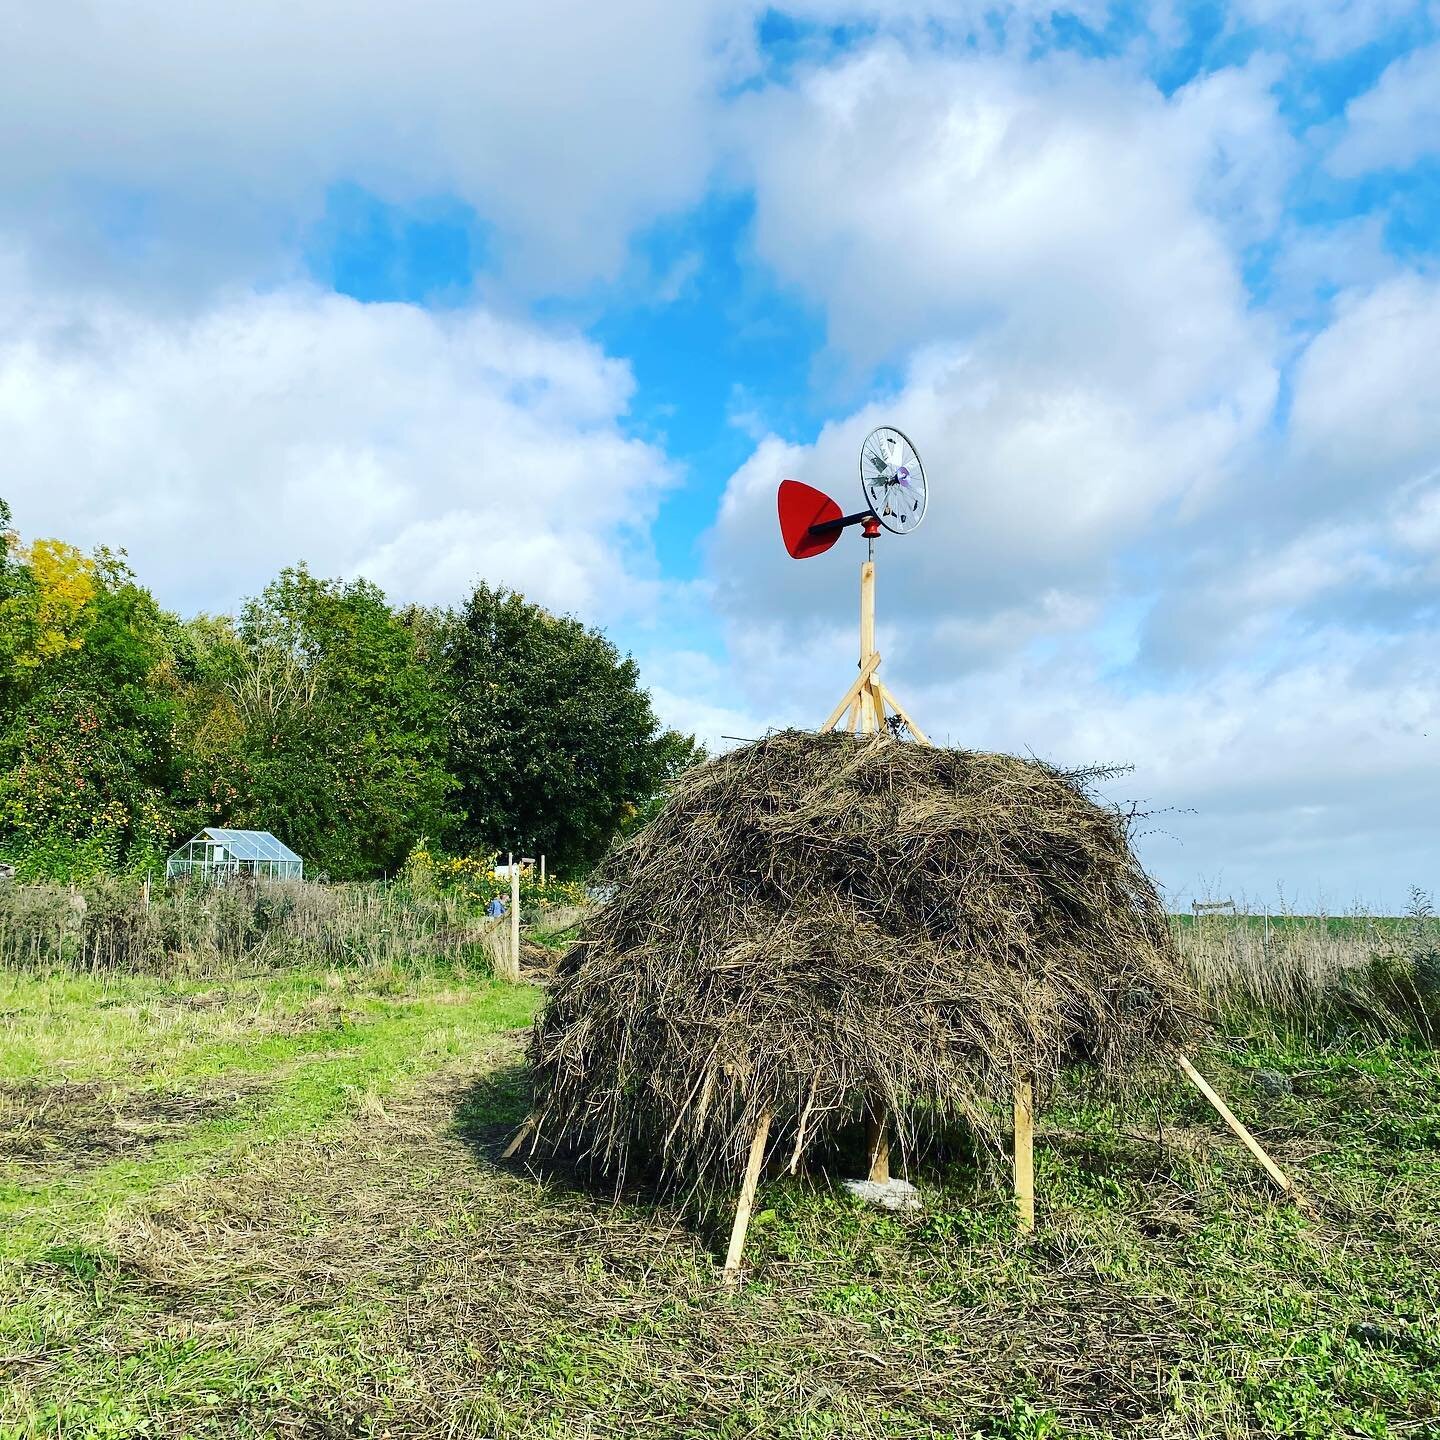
{"x": 216, "y": 854}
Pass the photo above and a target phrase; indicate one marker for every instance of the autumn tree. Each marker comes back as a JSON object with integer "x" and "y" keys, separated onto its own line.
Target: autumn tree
{"x": 87, "y": 729}
{"x": 348, "y": 727}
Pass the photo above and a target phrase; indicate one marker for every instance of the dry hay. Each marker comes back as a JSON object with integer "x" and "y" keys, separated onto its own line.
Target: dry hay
{"x": 818, "y": 923}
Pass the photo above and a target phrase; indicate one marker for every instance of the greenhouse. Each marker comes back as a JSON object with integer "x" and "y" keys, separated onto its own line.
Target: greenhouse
{"x": 217, "y": 854}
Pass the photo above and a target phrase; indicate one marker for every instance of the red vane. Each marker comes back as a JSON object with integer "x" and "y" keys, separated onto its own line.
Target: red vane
{"x": 802, "y": 506}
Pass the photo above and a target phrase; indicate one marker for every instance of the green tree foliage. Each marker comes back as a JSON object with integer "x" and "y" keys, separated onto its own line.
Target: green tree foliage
{"x": 675, "y": 753}
{"x": 87, "y": 731}
{"x": 349, "y": 728}
{"x": 318, "y": 716}
{"x": 552, "y": 739}
{"x": 13, "y": 580}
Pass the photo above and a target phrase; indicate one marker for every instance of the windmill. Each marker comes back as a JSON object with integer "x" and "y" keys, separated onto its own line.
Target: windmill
{"x": 892, "y": 481}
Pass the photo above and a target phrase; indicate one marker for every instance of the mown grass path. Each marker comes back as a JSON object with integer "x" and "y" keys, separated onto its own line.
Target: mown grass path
{"x": 116, "y": 1086}
{"x": 274, "y": 1207}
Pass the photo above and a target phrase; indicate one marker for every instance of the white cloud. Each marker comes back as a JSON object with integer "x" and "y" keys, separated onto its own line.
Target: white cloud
{"x": 1067, "y": 207}
{"x": 1331, "y": 28}
{"x": 1365, "y": 415}
{"x": 1077, "y": 227}
{"x": 1128, "y": 556}
{"x": 1397, "y": 122}
{"x": 422, "y": 450}
{"x": 565, "y": 124}
{"x": 1319, "y": 770}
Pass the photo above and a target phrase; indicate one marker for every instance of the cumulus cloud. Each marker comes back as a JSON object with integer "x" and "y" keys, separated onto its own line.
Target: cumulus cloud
{"x": 1336, "y": 526}
{"x": 422, "y": 450}
{"x": 1395, "y": 123}
{"x": 1133, "y": 551}
{"x": 565, "y": 124}
{"x": 1072, "y": 225}
{"x": 1068, "y": 206}
{"x": 1142, "y": 544}
{"x": 1318, "y": 770}
{"x": 1365, "y": 413}
{"x": 1330, "y": 27}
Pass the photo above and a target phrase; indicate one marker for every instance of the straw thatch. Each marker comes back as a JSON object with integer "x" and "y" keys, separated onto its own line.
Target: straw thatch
{"x": 816, "y": 923}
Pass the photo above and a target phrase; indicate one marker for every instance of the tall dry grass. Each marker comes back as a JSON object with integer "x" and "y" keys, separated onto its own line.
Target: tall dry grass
{"x": 110, "y": 924}
{"x": 1319, "y": 974}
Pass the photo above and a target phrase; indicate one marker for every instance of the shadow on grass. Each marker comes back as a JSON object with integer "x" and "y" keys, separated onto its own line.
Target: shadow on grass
{"x": 954, "y": 1167}
{"x": 490, "y": 1111}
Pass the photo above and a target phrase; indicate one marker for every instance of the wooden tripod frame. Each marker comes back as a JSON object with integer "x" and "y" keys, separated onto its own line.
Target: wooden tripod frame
{"x": 864, "y": 704}
{"x": 863, "y": 708}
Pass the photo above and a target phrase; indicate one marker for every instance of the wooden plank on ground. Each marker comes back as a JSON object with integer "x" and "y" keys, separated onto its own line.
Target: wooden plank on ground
{"x": 531, "y": 1120}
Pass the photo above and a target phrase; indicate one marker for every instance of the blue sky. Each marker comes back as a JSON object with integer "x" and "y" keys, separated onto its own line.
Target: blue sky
{"x": 555, "y": 295}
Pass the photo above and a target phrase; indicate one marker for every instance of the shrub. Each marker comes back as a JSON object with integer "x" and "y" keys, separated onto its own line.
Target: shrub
{"x": 472, "y": 880}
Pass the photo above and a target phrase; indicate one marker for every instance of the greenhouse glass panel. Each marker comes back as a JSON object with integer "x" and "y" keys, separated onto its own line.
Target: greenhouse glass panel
{"x": 217, "y": 853}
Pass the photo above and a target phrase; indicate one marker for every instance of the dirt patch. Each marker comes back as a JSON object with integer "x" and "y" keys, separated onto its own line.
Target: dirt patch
{"x": 76, "y": 1125}
{"x": 323, "y": 1013}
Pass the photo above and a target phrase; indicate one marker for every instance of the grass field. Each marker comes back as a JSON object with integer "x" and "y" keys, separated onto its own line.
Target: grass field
{"x": 272, "y": 1205}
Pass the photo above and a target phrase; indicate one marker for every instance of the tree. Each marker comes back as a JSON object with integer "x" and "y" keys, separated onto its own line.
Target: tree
{"x": 14, "y": 582}
{"x": 553, "y": 741}
{"x": 675, "y": 753}
{"x": 87, "y": 733}
{"x": 318, "y": 717}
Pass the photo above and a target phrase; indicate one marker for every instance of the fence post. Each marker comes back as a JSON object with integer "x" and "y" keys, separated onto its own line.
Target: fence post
{"x": 514, "y": 921}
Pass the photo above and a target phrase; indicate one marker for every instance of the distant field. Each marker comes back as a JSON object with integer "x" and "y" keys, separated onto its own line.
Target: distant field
{"x": 1337, "y": 927}
{"x": 273, "y": 1206}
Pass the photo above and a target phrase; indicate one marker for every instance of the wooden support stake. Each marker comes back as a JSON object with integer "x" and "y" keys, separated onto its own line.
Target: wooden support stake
{"x": 1224, "y": 1111}
{"x": 514, "y": 921}
{"x": 877, "y": 1146}
{"x": 869, "y": 709}
{"x": 747, "y": 1201}
{"x": 899, "y": 709}
{"x": 531, "y": 1121}
{"x": 1025, "y": 1154}
{"x": 867, "y": 610}
{"x": 877, "y": 710}
{"x": 852, "y": 695}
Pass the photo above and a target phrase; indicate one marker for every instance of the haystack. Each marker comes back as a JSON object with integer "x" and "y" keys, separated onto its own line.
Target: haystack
{"x": 817, "y": 926}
